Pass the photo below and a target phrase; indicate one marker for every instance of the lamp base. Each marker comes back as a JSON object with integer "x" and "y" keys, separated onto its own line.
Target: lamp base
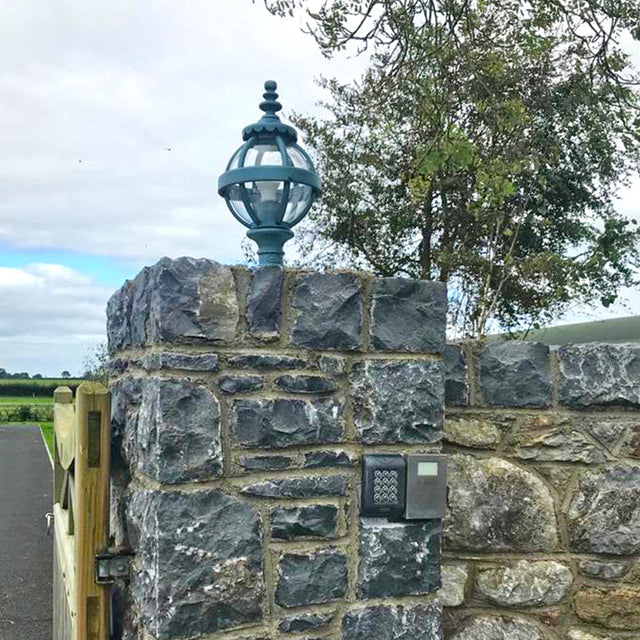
{"x": 270, "y": 241}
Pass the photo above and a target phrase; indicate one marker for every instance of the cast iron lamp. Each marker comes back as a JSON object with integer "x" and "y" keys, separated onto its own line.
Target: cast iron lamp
{"x": 269, "y": 184}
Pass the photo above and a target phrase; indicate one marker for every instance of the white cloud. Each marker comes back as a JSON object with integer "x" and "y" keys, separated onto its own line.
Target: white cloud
{"x": 50, "y": 317}
{"x": 95, "y": 93}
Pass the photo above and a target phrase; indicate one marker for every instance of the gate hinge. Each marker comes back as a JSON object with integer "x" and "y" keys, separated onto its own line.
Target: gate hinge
{"x": 111, "y": 564}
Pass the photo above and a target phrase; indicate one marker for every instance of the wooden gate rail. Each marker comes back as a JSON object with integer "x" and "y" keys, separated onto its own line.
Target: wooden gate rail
{"x": 81, "y": 510}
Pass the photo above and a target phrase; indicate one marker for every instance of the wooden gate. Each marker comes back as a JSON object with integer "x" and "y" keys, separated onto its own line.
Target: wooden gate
{"x": 81, "y": 511}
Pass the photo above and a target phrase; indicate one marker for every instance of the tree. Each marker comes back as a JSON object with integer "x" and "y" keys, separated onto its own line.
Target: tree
{"x": 65, "y": 374}
{"x": 95, "y": 363}
{"x": 483, "y": 147}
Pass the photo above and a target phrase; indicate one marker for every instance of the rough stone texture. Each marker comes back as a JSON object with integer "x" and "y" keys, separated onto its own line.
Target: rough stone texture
{"x": 605, "y": 570}
{"x": 604, "y": 514}
{"x": 515, "y": 374}
{"x": 176, "y": 434}
{"x": 526, "y": 584}
{"x": 327, "y": 459}
{"x": 315, "y": 578}
{"x": 261, "y": 362}
{"x": 577, "y": 634}
{"x": 305, "y": 622}
{"x": 316, "y": 521}
{"x": 307, "y": 487}
{"x": 280, "y": 423}
{"x": 408, "y": 315}
{"x": 200, "y": 562}
{"x": 182, "y": 361}
{"x": 265, "y": 463}
{"x": 499, "y": 628}
{"x": 264, "y": 302}
{"x": 306, "y": 384}
{"x": 456, "y": 387}
{"x": 559, "y": 446}
{"x": 454, "y": 584}
{"x": 631, "y": 444}
{"x": 190, "y": 299}
{"x": 240, "y": 384}
{"x": 398, "y": 559}
{"x": 333, "y": 365}
{"x": 398, "y": 401}
{"x": 496, "y": 506}
{"x": 608, "y": 432}
{"x": 330, "y": 312}
{"x": 128, "y": 312}
{"x": 202, "y": 565}
{"x": 471, "y": 432}
{"x": 602, "y": 374}
{"x": 614, "y": 608}
{"x": 558, "y": 477}
{"x": 385, "y": 622}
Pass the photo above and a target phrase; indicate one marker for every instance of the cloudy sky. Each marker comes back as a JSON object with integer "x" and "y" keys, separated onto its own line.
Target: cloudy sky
{"x": 116, "y": 117}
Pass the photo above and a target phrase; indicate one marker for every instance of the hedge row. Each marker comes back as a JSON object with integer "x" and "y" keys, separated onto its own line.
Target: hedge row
{"x": 26, "y": 413}
{"x": 38, "y": 388}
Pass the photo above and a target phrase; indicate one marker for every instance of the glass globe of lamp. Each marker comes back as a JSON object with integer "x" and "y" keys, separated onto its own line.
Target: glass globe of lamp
{"x": 269, "y": 184}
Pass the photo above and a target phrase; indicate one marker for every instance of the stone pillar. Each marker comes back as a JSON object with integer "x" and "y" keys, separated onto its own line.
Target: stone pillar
{"x": 243, "y": 402}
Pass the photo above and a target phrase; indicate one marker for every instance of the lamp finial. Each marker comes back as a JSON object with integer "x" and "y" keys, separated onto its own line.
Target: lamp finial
{"x": 270, "y": 105}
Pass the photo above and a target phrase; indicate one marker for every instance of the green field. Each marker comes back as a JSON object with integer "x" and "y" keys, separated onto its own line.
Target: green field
{"x": 47, "y": 433}
{"x": 25, "y": 400}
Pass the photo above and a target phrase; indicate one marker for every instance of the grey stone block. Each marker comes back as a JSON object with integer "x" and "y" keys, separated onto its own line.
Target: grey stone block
{"x": 500, "y": 628}
{"x": 192, "y": 299}
{"x": 118, "y": 317}
{"x": 333, "y": 365}
{"x": 306, "y": 384}
{"x": 305, "y": 579}
{"x": 559, "y": 446}
{"x": 181, "y": 361}
{"x": 515, "y": 374}
{"x": 280, "y": 423}
{"x": 603, "y": 569}
{"x": 398, "y": 559}
{"x": 329, "y": 312}
{"x": 128, "y": 313}
{"x": 264, "y": 302}
{"x": 240, "y": 384}
{"x": 265, "y": 463}
{"x": 604, "y": 513}
{"x": 408, "y": 315}
{"x": 316, "y": 521}
{"x": 526, "y": 584}
{"x": 387, "y": 622}
{"x": 305, "y": 622}
{"x": 175, "y": 435}
{"x": 456, "y": 386}
{"x": 496, "y": 506}
{"x": 305, "y": 487}
{"x": 398, "y": 401}
{"x": 327, "y": 459}
{"x": 454, "y": 584}
{"x": 266, "y": 362}
{"x": 599, "y": 374}
{"x": 200, "y": 562}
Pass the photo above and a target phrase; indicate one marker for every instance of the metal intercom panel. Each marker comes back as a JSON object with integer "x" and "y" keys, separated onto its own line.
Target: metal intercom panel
{"x": 426, "y": 487}
{"x": 404, "y": 487}
{"x": 383, "y": 485}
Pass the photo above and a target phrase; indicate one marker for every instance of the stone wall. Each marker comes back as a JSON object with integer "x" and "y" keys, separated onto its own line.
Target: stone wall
{"x": 542, "y": 539}
{"x": 242, "y": 404}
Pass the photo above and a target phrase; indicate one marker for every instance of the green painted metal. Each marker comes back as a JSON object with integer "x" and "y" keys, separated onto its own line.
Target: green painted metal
{"x": 269, "y": 183}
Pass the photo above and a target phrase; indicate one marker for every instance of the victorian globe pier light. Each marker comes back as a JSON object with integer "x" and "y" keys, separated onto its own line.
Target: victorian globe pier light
{"x": 269, "y": 184}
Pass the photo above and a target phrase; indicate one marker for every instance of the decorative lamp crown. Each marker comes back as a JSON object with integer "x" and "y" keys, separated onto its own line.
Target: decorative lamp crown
{"x": 269, "y": 184}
